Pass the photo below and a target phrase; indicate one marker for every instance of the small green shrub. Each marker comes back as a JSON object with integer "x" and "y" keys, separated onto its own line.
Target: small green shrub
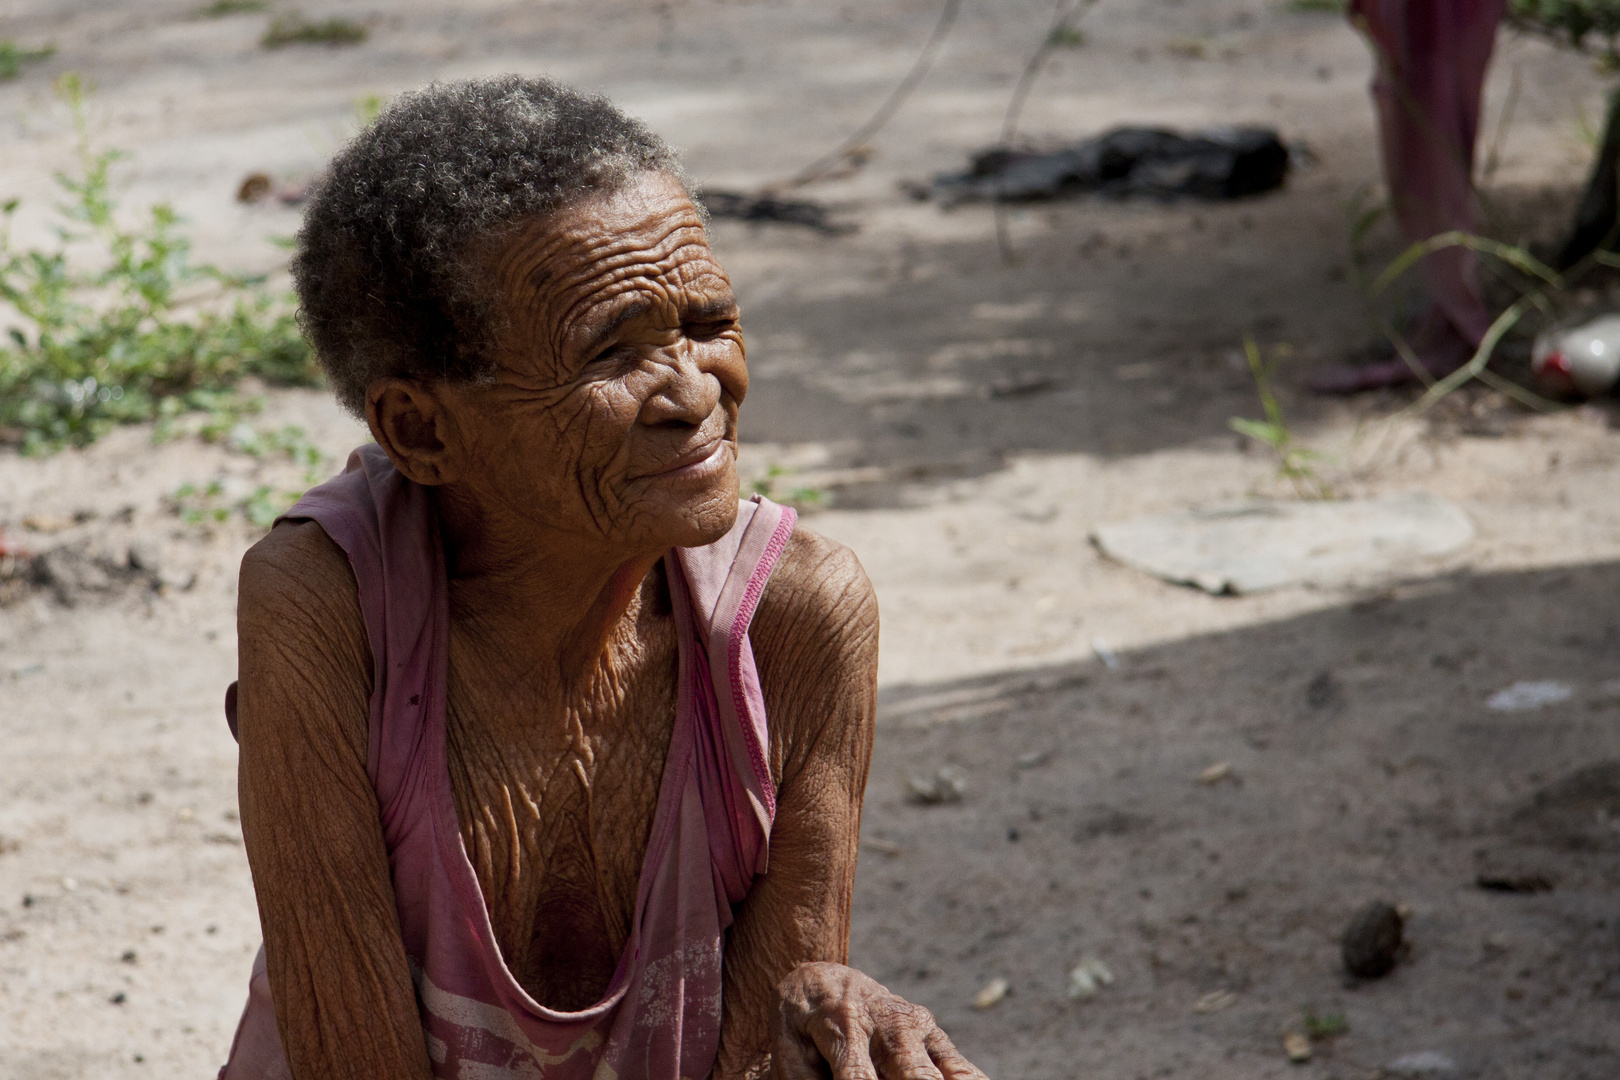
{"x": 1325, "y": 1025}
{"x": 146, "y": 335}
{"x": 801, "y": 497}
{"x": 1571, "y": 19}
{"x": 13, "y": 57}
{"x": 1330, "y": 7}
{"x": 221, "y": 8}
{"x": 296, "y": 30}
{"x": 197, "y": 504}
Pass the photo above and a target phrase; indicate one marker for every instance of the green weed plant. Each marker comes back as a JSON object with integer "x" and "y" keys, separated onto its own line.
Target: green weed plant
{"x": 296, "y": 30}
{"x": 802, "y": 497}
{"x": 1325, "y": 1025}
{"x": 13, "y": 57}
{"x": 143, "y": 335}
{"x": 1295, "y": 460}
{"x": 200, "y": 504}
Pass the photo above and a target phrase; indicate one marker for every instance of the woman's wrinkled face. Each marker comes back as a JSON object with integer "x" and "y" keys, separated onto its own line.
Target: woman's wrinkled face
{"x": 613, "y": 411}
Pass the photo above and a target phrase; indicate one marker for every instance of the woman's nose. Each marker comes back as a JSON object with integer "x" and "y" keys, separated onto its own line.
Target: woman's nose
{"x": 686, "y": 393}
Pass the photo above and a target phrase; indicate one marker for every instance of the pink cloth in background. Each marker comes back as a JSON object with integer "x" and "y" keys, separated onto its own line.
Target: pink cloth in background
{"x": 660, "y": 1017}
{"x": 1433, "y": 55}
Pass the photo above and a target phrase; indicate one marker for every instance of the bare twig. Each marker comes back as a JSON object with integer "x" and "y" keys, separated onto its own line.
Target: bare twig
{"x": 1493, "y": 155}
{"x": 1063, "y": 19}
{"x": 857, "y": 141}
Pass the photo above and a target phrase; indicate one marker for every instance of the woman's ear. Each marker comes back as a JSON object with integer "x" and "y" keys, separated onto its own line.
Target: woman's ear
{"x": 419, "y": 434}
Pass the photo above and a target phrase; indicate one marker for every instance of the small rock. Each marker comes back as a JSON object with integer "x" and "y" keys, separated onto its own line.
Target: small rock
{"x": 255, "y": 187}
{"x": 129, "y": 956}
{"x": 1215, "y": 773}
{"x": 992, "y": 994}
{"x": 1372, "y": 941}
{"x": 144, "y": 555}
{"x": 1422, "y": 1064}
{"x": 1324, "y": 691}
{"x": 1215, "y": 1001}
{"x": 947, "y": 785}
{"x": 1297, "y": 1046}
{"x": 1087, "y": 980}
{"x": 119, "y": 998}
{"x": 46, "y": 523}
{"x": 1523, "y": 882}
{"x": 1523, "y": 696}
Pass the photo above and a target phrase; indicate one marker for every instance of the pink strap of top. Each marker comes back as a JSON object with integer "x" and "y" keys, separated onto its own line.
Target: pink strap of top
{"x": 660, "y": 1017}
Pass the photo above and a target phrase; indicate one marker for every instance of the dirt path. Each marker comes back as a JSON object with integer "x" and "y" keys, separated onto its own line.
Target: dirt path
{"x": 971, "y": 422}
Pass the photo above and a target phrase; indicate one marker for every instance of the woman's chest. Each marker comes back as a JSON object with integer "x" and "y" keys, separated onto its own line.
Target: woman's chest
{"x": 556, "y": 793}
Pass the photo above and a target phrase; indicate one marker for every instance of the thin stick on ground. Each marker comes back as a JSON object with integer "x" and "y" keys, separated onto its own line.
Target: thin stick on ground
{"x": 1063, "y": 26}
{"x": 857, "y": 141}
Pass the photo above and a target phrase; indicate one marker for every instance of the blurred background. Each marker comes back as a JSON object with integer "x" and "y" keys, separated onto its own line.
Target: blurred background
{"x": 1166, "y": 700}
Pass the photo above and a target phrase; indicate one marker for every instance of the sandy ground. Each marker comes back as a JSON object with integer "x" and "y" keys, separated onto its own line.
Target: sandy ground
{"x": 967, "y": 423}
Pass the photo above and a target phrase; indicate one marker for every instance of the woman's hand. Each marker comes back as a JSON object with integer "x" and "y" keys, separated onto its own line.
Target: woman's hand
{"x": 833, "y": 1018}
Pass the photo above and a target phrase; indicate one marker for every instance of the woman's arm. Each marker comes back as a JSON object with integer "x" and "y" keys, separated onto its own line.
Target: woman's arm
{"x": 790, "y": 1003}
{"x": 344, "y": 1001}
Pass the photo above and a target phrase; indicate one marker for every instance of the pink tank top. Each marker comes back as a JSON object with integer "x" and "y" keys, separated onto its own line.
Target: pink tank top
{"x": 660, "y": 1018}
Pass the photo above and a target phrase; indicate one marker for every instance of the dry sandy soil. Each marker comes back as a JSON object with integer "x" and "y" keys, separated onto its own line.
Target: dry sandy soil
{"x": 969, "y": 422}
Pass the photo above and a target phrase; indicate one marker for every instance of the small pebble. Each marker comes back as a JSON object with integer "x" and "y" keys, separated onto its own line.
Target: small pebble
{"x": 991, "y": 995}
{"x": 1372, "y": 941}
{"x": 1087, "y": 980}
{"x": 1215, "y": 1001}
{"x": 119, "y": 998}
{"x": 1297, "y": 1046}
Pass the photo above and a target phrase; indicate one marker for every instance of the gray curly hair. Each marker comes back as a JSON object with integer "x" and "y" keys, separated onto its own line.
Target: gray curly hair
{"x": 382, "y": 270}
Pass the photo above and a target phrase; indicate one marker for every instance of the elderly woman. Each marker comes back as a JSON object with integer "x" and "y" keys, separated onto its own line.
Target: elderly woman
{"x": 552, "y": 753}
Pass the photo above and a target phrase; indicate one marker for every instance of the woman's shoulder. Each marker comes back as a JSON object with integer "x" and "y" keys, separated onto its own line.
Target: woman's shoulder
{"x": 815, "y": 640}
{"x": 304, "y": 658}
{"x": 297, "y": 581}
{"x": 818, "y": 585}
{"x": 294, "y": 558}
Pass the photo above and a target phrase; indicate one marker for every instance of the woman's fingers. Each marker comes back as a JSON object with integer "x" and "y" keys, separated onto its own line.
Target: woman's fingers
{"x": 791, "y": 1060}
{"x": 900, "y": 1049}
{"x": 833, "y": 1020}
{"x": 952, "y": 1065}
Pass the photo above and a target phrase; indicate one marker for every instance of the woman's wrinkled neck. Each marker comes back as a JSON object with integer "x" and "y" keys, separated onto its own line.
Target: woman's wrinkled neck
{"x": 537, "y": 592}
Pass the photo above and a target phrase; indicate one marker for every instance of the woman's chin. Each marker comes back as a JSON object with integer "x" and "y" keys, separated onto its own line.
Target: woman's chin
{"x": 684, "y": 513}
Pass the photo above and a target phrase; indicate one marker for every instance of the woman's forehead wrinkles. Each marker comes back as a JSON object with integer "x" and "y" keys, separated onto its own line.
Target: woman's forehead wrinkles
{"x": 662, "y": 290}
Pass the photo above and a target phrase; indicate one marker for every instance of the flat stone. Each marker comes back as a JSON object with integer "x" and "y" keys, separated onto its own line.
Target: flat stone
{"x": 1254, "y": 546}
{"x": 1425, "y": 1063}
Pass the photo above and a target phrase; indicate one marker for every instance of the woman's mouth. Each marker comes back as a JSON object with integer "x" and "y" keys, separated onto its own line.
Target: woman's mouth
{"x": 698, "y": 463}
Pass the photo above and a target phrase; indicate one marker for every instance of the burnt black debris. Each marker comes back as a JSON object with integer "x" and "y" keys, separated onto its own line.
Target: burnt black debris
{"x": 1218, "y": 163}
{"x": 768, "y": 207}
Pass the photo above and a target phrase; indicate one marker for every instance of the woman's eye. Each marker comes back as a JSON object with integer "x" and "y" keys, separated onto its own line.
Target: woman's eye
{"x": 705, "y": 331}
